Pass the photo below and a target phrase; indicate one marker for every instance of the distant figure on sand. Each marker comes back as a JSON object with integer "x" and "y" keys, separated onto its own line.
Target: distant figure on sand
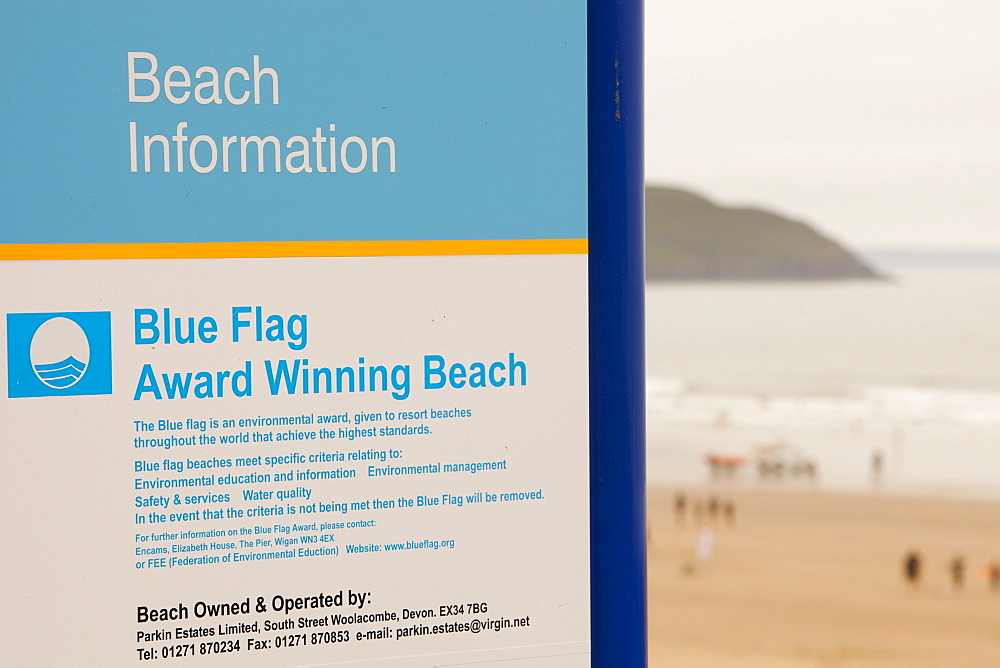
{"x": 911, "y": 569}
{"x": 697, "y": 509}
{"x": 713, "y": 508}
{"x": 877, "y": 466}
{"x": 706, "y": 545}
{"x": 729, "y": 512}
{"x": 993, "y": 575}
{"x": 957, "y": 572}
{"x": 680, "y": 507}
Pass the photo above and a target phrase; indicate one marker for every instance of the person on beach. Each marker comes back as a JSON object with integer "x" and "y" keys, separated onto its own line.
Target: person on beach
{"x": 713, "y": 508}
{"x": 680, "y": 507}
{"x": 993, "y": 575}
{"x": 729, "y": 512}
{"x": 697, "y": 510}
{"x": 911, "y": 568}
{"x": 706, "y": 546}
{"x": 957, "y": 572}
{"x": 877, "y": 466}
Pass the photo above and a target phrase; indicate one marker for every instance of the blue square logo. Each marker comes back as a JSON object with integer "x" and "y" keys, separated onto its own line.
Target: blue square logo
{"x": 58, "y": 354}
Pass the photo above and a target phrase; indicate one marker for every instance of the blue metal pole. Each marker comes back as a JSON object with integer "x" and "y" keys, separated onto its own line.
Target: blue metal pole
{"x": 617, "y": 359}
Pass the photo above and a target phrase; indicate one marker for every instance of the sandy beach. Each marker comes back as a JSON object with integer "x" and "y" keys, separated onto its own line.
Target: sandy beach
{"x": 804, "y": 578}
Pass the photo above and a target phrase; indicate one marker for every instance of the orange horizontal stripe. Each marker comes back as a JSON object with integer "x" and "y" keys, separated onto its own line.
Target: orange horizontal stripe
{"x": 250, "y": 249}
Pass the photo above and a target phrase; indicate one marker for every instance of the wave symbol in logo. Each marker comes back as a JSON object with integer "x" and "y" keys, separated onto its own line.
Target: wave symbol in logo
{"x": 59, "y": 353}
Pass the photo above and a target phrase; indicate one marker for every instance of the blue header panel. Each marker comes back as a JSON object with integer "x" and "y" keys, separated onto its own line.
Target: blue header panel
{"x": 463, "y": 101}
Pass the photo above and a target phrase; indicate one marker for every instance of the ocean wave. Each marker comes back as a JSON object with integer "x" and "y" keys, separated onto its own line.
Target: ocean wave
{"x": 670, "y": 400}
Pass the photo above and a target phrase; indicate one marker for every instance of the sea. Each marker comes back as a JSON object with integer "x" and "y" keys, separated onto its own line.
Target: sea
{"x": 890, "y": 386}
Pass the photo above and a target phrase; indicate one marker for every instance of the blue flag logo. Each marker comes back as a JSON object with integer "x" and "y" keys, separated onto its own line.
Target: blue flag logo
{"x": 58, "y": 354}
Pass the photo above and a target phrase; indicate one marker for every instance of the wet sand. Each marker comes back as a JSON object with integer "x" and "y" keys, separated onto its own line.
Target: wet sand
{"x": 816, "y": 579}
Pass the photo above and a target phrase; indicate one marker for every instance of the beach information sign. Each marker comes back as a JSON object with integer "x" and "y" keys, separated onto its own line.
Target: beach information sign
{"x": 294, "y": 333}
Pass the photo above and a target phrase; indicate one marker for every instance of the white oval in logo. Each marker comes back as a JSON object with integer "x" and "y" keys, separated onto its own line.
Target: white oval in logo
{"x": 59, "y": 353}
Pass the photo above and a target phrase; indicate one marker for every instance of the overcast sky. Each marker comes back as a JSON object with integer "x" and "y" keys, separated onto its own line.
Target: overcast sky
{"x": 878, "y": 121}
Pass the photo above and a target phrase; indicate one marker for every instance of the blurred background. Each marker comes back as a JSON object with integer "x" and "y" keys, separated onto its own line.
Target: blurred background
{"x": 823, "y": 332}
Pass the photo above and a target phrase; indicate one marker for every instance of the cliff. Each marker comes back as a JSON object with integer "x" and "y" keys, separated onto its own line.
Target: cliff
{"x": 689, "y": 238}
